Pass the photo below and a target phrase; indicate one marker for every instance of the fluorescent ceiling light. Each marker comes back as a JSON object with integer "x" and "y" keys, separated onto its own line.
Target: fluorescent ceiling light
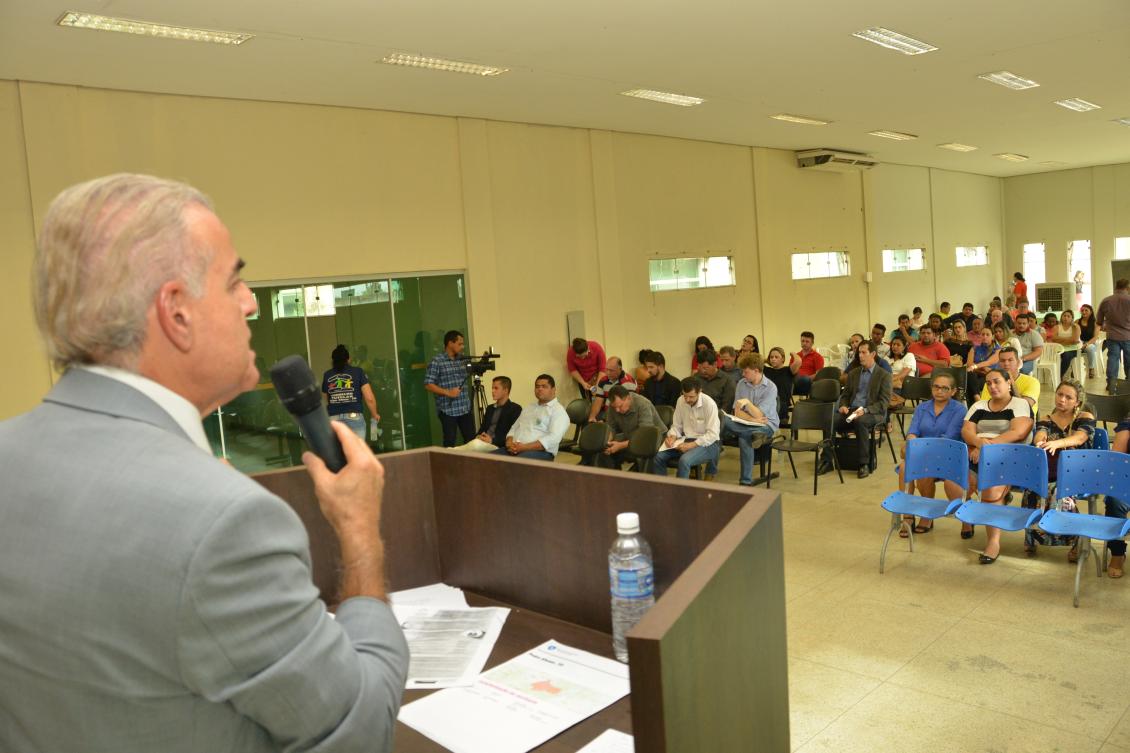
{"x": 1010, "y": 157}
{"x": 441, "y": 64}
{"x": 1009, "y": 80}
{"x": 147, "y": 29}
{"x": 682, "y": 100}
{"x": 799, "y": 119}
{"x": 953, "y": 146}
{"x": 1122, "y": 121}
{"x": 892, "y": 40}
{"x": 893, "y": 135}
{"x": 1078, "y": 105}
{"x": 1054, "y": 163}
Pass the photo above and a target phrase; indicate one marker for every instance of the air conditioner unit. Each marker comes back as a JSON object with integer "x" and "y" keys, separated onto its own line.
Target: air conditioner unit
{"x": 831, "y": 160}
{"x": 1054, "y": 296}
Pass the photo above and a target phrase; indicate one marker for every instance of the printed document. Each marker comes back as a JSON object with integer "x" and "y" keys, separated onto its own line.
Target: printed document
{"x": 610, "y": 741}
{"x": 522, "y": 703}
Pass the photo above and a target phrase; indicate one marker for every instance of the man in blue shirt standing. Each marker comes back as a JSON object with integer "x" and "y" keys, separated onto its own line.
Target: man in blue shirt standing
{"x": 862, "y": 406}
{"x": 755, "y": 408}
{"x": 446, "y": 378}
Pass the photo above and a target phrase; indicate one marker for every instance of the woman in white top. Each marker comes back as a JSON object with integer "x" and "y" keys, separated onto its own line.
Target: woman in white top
{"x": 902, "y": 364}
{"x": 1068, "y": 335}
{"x": 1002, "y": 419}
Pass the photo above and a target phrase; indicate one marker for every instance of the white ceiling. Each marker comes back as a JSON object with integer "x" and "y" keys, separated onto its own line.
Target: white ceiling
{"x": 569, "y": 60}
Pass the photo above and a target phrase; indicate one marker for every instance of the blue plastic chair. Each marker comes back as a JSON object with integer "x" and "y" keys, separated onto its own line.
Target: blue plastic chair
{"x": 1018, "y": 465}
{"x": 1083, "y": 473}
{"x": 926, "y": 457}
{"x": 1101, "y": 439}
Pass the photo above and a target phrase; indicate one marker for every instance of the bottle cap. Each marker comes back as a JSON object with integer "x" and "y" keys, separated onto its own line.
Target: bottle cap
{"x": 628, "y": 522}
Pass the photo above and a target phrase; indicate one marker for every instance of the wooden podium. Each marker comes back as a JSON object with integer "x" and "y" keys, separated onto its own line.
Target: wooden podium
{"x": 708, "y": 662}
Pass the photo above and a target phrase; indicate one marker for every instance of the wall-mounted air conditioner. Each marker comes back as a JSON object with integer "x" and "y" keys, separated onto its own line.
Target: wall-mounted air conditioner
{"x": 1053, "y": 296}
{"x": 832, "y": 160}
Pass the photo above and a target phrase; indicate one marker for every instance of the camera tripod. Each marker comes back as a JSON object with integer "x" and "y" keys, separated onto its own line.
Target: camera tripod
{"x": 478, "y": 397}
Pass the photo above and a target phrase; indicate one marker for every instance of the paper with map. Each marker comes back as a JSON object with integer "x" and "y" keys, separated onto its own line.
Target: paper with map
{"x": 521, "y": 703}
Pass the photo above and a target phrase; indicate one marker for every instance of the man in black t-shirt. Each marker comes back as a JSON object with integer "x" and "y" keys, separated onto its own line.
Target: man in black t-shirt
{"x": 660, "y": 388}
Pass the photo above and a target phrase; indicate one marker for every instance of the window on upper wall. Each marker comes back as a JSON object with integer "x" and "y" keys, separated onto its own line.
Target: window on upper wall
{"x": 972, "y": 256}
{"x": 817, "y": 264}
{"x": 904, "y": 259}
{"x": 689, "y": 272}
{"x": 311, "y": 300}
{"x": 1122, "y": 248}
{"x": 1034, "y": 268}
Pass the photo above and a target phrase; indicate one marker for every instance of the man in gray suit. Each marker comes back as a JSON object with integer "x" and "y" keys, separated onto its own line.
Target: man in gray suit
{"x": 151, "y": 597}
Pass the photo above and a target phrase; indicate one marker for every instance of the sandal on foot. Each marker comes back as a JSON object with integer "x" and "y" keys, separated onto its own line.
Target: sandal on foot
{"x": 1072, "y": 556}
{"x": 1113, "y": 569}
{"x": 908, "y": 522}
{"x": 968, "y": 534}
{"x": 923, "y": 528}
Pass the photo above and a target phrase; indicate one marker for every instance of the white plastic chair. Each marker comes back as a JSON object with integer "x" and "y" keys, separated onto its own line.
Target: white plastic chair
{"x": 1049, "y": 363}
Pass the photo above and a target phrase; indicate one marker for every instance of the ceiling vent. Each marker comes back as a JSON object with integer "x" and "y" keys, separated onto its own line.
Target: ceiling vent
{"x": 831, "y": 160}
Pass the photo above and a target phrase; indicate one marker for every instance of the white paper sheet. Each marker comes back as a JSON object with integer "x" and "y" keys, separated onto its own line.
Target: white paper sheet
{"x": 448, "y": 648}
{"x": 611, "y": 741}
{"x": 522, "y": 703}
{"x": 435, "y": 596}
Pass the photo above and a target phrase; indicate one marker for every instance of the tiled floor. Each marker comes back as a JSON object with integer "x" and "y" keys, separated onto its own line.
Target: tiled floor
{"x": 941, "y": 654}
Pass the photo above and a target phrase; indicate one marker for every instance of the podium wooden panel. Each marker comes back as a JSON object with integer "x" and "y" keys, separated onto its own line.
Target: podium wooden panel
{"x": 708, "y": 662}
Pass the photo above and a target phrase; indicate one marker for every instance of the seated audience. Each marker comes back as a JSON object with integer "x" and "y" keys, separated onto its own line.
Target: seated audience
{"x": 805, "y": 363}
{"x": 862, "y": 406}
{"x": 851, "y": 361}
{"x": 538, "y": 431}
{"x": 965, "y": 316}
{"x": 693, "y": 438}
{"x": 1050, "y": 325}
{"x": 586, "y": 363}
{"x": 980, "y": 360}
{"x": 720, "y": 389}
{"x": 1031, "y": 344}
{"x": 614, "y": 374}
{"x": 1089, "y": 335}
{"x": 1002, "y": 419}
{"x": 943, "y": 311}
{"x": 660, "y": 388}
{"x": 1069, "y": 426}
{"x": 729, "y": 358}
{"x": 755, "y": 407}
{"x": 903, "y": 365}
{"x": 750, "y": 345}
{"x": 1020, "y": 310}
{"x": 498, "y": 419}
{"x": 935, "y": 323}
{"x": 928, "y": 352}
{"x": 701, "y": 343}
{"x": 849, "y": 356}
{"x": 958, "y": 344}
{"x": 940, "y": 418}
{"x": 640, "y": 374}
{"x": 779, "y": 374}
{"x": 997, "y": 316}
{"x": 628, "y": 411}
{"x": 916, "y": 321}
{"x": 878, "y": 333}
{"x": 1068, "y": 334}
{"x": 905, "y": 331}
{"x": 977, "y": 333}
{"x": 1023, "y": 385}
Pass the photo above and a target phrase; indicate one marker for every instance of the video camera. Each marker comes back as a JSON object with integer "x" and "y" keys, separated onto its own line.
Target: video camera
{"x": 479, "y": 365}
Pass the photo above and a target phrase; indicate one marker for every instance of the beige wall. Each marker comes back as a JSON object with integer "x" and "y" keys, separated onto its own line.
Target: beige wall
{"x": 544, "y": 220}
{"x": 1056, "y": 208}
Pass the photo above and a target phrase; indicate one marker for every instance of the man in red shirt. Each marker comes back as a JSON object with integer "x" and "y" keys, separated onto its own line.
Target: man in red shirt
{"x": 928, "y": 352}
{"x": 804, "y": 364}
{"x": 586, "y": 364}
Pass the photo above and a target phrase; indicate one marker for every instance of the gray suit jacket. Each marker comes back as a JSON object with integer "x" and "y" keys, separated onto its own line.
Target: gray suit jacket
{"x": 154, "y": 599}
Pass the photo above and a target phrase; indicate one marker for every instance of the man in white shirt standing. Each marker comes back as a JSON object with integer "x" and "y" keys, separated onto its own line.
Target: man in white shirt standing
{"x": 537, "y": 433}
{"x": 694, "y": 435}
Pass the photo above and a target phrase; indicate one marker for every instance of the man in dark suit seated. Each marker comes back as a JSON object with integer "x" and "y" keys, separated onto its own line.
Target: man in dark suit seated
{"x": 154, "y": 598}
{"x": 499, "y": 416}
{"x": 862, "y": 406}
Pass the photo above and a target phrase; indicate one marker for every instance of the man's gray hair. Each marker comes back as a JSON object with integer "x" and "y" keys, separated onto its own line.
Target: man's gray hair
{"x": 105, "y": 249}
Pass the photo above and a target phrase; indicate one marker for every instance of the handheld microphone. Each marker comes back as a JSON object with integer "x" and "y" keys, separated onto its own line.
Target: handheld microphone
{"x": 299, "y": 394}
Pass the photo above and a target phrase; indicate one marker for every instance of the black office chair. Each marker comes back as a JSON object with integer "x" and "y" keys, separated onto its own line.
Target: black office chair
{"x": 824, "y": 390}
{"x": 1110, "y": 409}
{"x": 828, "y": 372}
{"x": 578, "y": 412}
{"x": 812, "y": 416}
{"x": 642, "y": 447}
{"x": 666, "y": 414}
{"x": 960, "y": 379}
{"x": 592, "y": 442}
{"x": 914, "y": 391}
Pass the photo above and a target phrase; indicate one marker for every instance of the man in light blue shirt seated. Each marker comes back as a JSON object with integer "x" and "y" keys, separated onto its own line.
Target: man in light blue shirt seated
{"x": 693, "y": 438}
{"x": 754, "y": 412}
{"x": 537, "y": 433}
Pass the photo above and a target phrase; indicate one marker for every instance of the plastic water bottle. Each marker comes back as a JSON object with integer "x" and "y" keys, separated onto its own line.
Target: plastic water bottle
{"x": 631, "y": 578}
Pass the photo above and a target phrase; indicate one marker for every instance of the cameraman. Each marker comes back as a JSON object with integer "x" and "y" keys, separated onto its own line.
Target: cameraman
{"x": 446, "y": 378}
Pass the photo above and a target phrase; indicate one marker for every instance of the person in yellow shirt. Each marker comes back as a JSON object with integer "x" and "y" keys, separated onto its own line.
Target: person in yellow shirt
{"x": 1026, "y": 387}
